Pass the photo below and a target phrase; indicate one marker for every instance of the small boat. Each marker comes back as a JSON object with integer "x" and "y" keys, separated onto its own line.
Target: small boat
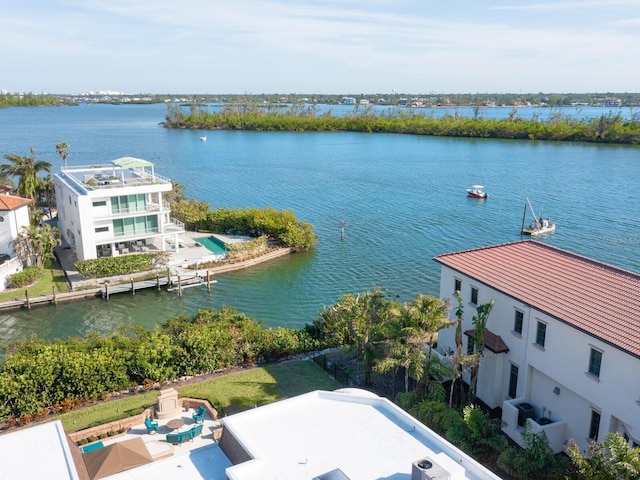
{"x": 477, "y": 191}
{"x": 539, "y": 226}
{"x": 203, "y": 139}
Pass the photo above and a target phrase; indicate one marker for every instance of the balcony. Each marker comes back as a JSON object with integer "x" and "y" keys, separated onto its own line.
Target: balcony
{"x": 520, "y": 411}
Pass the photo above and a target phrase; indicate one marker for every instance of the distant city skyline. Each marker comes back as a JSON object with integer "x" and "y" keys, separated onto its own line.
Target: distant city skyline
{"x": 307, "y": 47}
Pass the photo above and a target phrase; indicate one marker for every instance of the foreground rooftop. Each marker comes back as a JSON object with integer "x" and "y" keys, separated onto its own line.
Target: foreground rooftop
{"x": 348, "y": 434}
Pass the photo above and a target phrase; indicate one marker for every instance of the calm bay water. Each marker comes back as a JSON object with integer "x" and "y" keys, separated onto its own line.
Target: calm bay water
{"x": 402, "y": 198}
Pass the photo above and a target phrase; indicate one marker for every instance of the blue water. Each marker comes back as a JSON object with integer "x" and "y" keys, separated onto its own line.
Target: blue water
{"x": 402, "y": 198}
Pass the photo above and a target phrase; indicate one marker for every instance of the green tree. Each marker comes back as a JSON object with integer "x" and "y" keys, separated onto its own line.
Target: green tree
{"x": 63, "y": 150}
{"x": 27, "y": 170}
{"x": 46, "y": 194}
{"x": 35, "y": 244}
{"x": 535, "y": 460}
{"x": 480, "y": 322}
{"x": 612, "y": 459}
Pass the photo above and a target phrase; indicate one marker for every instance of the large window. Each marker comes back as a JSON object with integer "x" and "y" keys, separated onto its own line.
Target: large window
{"x": 129, "y": 203}
{"x": 513, "y": 381}
{"x": 541, "y": 334}
{"x": 594, "y": 425}
{"x": 595, "y": 361}
{"x": 135, "y": 226}
{"x": 474, "y": 296}
{"x": 517, "y": 323}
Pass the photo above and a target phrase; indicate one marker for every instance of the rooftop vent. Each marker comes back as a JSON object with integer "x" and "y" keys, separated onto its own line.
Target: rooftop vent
{"x": 427, "y": 469}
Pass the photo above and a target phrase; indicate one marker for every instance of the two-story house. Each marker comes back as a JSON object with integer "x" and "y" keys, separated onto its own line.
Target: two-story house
{"x": 14, "y": 216}
{"x": 562, "y": 341}
{"x": 110, "y": 210}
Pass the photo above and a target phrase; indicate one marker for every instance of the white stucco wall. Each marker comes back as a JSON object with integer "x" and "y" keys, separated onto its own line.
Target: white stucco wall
{"x": 562, "y": 363}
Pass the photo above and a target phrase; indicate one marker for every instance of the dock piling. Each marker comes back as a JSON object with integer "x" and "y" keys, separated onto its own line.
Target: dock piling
{"x": 26, "y": 294}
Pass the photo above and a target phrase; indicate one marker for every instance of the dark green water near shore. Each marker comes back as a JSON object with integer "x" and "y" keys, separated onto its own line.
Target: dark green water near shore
{"x": 402, "y": 198}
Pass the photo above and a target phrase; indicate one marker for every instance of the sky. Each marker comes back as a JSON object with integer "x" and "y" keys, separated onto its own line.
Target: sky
{"x": 320, "y": 46}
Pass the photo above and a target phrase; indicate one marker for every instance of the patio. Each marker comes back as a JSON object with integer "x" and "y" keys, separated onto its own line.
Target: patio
{"x": 199, "y": 458}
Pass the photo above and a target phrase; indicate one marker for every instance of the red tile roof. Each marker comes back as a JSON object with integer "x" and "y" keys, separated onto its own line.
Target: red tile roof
{"x": 596, "y": 298}
{"x": 11, "y": 202}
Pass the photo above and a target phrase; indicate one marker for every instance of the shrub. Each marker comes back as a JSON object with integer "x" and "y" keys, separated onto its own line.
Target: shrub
{"x": 476, "y": 433}
{"x": 26, "y": 277}
{"x": 535, "y": 461}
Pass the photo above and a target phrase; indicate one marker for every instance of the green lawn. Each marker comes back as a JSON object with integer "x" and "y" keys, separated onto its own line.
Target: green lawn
{"x": 228, "y": 393}
{"x": 52, "y": 277}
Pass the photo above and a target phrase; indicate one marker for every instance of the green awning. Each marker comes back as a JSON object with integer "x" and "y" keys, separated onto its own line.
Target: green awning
{"x": 131, "y": 162}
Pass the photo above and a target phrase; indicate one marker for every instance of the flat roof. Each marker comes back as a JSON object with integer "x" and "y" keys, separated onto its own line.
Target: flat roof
{"x": 593, "y": 297}
{"x": 41, "y": 451}
{"x": 351, "y": 430}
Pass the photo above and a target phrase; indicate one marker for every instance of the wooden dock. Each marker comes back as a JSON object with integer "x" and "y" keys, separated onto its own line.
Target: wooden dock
{"x": 171, "y": 283}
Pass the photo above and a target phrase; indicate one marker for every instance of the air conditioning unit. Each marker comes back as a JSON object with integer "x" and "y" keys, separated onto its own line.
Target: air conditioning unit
{"x": 427, "y": 469}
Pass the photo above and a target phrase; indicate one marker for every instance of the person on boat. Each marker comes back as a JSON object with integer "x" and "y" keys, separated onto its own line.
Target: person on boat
{"x": 548, "y": 222}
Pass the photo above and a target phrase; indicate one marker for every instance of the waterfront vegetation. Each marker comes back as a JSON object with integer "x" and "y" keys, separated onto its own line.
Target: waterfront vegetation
{"x": 608, "y": 128}
{"x": 121, "y": 265}
{"x": 280, "y": 226}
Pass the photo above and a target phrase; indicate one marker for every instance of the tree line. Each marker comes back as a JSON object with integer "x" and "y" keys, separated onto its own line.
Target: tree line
{"x": 608, "y": 128}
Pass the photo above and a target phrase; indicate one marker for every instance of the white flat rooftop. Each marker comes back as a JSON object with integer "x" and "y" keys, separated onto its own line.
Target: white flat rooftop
{"x": 349, "y": 434}
{"x": 37, "y": 452}
{"x": 364, "y": 436}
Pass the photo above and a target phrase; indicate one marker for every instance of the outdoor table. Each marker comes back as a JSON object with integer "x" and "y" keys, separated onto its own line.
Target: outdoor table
{"x": 175, "y": 424}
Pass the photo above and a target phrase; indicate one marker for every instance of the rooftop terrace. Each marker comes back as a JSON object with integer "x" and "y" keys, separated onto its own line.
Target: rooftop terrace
{"x": 125, "y": 171}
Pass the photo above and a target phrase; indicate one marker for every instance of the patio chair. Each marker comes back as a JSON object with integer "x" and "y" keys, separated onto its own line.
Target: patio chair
{"x": 152, "y": 427}
{"x": 195, "y": 431}
{"x": 199, "y": 415}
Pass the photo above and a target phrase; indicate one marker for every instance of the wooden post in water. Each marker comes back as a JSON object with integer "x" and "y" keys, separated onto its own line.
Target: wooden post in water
{"x": 208, "y": 281}
{"x": 169, "y": 283}
{"x": 158, "y": 281}
{"x": 26, "y": 295}
{"x": 53, "y": 291}
{"x": 106, "y": 290}
{"x": 133, "y": 290}
{"x": 179, "y": 286}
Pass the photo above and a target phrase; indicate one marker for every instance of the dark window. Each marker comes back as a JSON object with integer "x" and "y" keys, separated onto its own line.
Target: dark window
{"x": 517, "y": 324}
{"x": 594, "y": 426}
{"x": 541, "y": 334}
{"x": 595, "y": 360}
{"x": 100, "y": 203}
{"x": 102, "y": 229}
{"x": 474, "y": 295}
{"x": 471, "y": 344}
{"x": 513, "y": 381}
{"x": 457, "y": 285}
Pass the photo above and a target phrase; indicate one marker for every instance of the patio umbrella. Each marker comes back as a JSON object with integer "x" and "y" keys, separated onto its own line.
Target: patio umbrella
{"x": 116, "y": 458}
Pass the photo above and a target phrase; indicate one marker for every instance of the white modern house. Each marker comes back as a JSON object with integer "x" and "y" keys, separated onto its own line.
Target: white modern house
{"x": 562, "y": 342}
{"x": 110, "y": 210}
{"x": 14, "y": 215}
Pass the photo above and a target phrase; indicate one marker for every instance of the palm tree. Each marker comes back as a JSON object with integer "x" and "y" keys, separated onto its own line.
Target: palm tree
{"x": 411, "y": 327}
{"x": 27, "y": 169}
{"x": 46, "y": 194}
{"x": 62, "y": 149}
{"x": 480, "y": 322}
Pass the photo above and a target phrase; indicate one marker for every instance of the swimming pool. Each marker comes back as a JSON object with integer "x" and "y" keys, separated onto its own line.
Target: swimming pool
{"x": 212, "y": 244}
